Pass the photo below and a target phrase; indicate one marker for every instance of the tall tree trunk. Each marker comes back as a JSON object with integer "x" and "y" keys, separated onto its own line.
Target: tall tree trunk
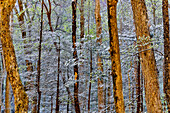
{"x": 81, "y": 58}
{"x": 91, "y": 58}
{"x": 115, "y": 57}
{"x": 99, "y": 60}
{"x": 58, "y": 76}
{"x": 166, "y": 52}
{"x": 141, "y": 93}
{"x": 148, "y": 64}
{"x": 7, "y": 96}
{"x": 21, "y": 99}
{"x": 138, "y": 86}
{"x": 7, "y": 89}
{"x": 82, "y": 21}
{"x": 76, "y": 75}
{"x": 109, "y": 93}
{"x": 48, "y": 12}
{"x": 68, "y": 98}
{"x": 39, "y": 60}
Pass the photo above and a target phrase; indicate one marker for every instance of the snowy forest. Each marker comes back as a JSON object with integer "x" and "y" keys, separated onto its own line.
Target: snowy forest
{"x": 84, "y": 56}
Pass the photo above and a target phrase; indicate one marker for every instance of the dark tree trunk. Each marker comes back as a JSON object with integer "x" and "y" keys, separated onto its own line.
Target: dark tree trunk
{"x": 39, "y": 59}
{"x": 76, "y": 75}
{"x": 166, "y": 52}
{"x": 138, "y": 86}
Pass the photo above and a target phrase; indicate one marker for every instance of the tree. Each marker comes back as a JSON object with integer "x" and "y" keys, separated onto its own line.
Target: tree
{"x": 99, "y": 60}
{"x": 166, "y": 52}
{"x": 138, "y": 84}
{"x": 91, "y": 57}
{"x": 148, "y": 64}
{"x": 39, "y": 59}
{"x": 76, "y": 74}
{"x": 21, "y": 99}
{"x": 115, "y": 57}
{"x": 7, "y": 96}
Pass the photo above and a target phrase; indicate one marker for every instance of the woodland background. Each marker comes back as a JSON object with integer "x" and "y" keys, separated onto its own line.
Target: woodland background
{"x": 45, "y": 49}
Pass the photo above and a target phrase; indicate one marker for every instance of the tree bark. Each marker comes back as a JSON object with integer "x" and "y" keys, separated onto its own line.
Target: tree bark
{"x": 7, "y": 96}
{"x": 81, "y": 58}
{"x": 58, "y": 76}
{"x": 148, "y": 64}
{"x": 76, "y": 75}
{"x": 99, "y": 60}
{"x": 39, "y": 60}
{"x": 21, "y": 99}
{"x": 166, "y": 52}
{"x": 91, "y": 58}
{"x": 138, "y": 86}
{"x": 109, "y": 93}
{"x": 115, "y": 57}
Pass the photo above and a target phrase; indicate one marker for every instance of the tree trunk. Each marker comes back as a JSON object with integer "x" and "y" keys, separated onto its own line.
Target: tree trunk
{"x": 58, "y": 76}
{"x": 39, "y": 60}
{"x": 138, "y": 86}
{"x": 91, "y": 58}
{"x": 142, "y": 108}
{"x": 109, "y": 93}
{"x": 148, "y": 64}
{"x": 7, "y": 96}
{"x": 166, "y": 52}
{"x": 51, "y": 103}
{"x": 115, "y": 57}
{"x": 21, "y": 99}
{"x": 76, "y": 75}
{"x": 68, "y": 98}
{"x": 99, "y": 60}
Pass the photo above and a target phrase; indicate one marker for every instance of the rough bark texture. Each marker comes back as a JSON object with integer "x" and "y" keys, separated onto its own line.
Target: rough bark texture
{"x": 166, "y": 52}
{"x": 7, "y": 96}
{"x": 99, "y": 60}
{"x": 76, "y": 75}
{"x": 21, "y": 99}
{"x": 148, "y": 64}
{"x": 115, "y": 57}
